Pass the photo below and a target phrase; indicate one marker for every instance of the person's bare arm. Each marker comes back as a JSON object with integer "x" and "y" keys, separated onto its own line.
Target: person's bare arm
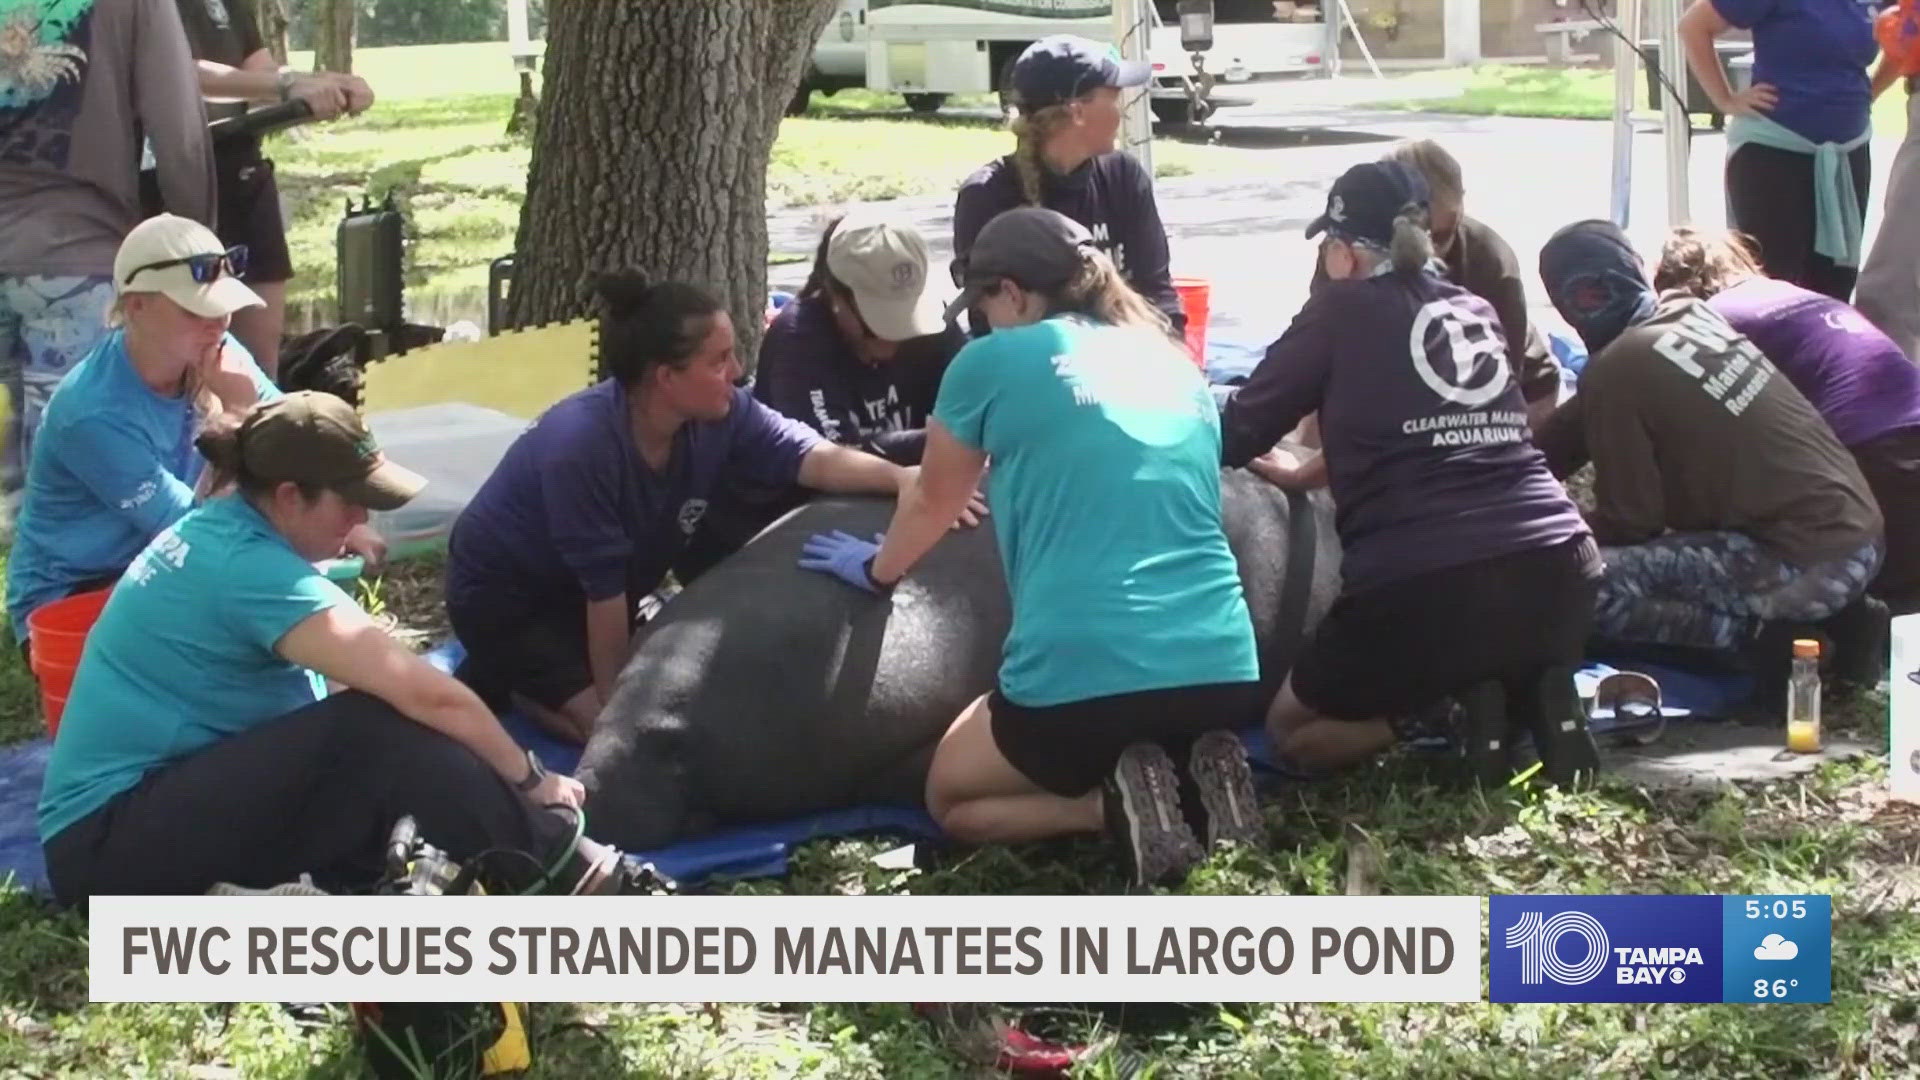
{"x": 609, "y": 634}
{"x": 948, "y": 477}
{"x": 347, "y": 647}
{"x": 1698, "y": 27}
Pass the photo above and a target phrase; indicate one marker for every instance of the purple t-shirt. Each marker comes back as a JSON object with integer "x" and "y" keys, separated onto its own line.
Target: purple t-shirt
{"x": 1424, "y": 428}
{"x": 573, "y": 513}
{"x": 1852, "y": 373}
{"x": 1815, "y": 54}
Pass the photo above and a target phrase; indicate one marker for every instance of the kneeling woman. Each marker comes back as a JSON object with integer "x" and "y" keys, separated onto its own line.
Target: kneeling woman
{"x": 1854, "y": 375}
{"x": 113, "y": 461}
{"x": 592, "y": 505}
{"x": 1723, "y": 502}
{"x": 198, "y": 746}
{"x": 1467, "y": 570}
{"x": 1121, "y": 637}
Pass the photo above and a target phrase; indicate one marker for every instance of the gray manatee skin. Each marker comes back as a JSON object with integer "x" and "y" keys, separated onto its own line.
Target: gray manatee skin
{"x": 763, "y": 691}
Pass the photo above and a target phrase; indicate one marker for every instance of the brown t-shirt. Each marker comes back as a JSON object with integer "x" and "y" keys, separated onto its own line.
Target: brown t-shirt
{"x": 1691, "y": 429}
{"x": 1484, "y": 264}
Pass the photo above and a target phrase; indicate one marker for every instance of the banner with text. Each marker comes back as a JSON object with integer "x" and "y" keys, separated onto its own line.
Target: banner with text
{"x": 786, "y": 948}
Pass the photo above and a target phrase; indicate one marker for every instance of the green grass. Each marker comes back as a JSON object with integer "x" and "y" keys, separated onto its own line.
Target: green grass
{"x": 436, "y": 139}
{"x": 1553, "y": 93}
{"x": 1832, "y": 832}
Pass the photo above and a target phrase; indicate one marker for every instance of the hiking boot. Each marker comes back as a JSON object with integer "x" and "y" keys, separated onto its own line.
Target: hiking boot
{"x": 1142, "y": 807}
{"x": 1218, "y": 782}
{"x": 1551, "y": 712}
{"x": 1483, "y": 729}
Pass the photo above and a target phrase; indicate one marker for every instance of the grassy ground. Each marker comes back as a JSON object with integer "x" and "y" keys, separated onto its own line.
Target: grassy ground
{"x": 1834, "y": 833}
{"x": 436, "y": 139}
{"x": 1555, "y": 93}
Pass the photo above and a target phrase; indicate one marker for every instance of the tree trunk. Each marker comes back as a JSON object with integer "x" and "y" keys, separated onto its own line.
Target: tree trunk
{"x": 650, "y": 150}
{"x": 271, "y": 17}
{"x": 333, "y": 34}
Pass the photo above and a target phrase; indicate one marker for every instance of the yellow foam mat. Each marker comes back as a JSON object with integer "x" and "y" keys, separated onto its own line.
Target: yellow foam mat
{"x": 518, "y": 372}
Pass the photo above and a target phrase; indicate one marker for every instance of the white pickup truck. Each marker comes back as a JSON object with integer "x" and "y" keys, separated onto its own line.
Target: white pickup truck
{"x": 927, "y": 50}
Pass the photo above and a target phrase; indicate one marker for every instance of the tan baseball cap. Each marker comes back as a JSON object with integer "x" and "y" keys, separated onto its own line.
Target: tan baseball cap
{"x": 315, "y": 438}
{"x": 181, "y": 259}
{"x": 883, "y": 259}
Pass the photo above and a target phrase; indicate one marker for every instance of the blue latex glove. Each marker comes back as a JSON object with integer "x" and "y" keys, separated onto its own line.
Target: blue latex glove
{"x": 842, "y": 555}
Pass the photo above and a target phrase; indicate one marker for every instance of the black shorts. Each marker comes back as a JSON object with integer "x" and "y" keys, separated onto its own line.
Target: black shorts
{"x": 1391, "y": 651}
{"x": 542, "y": 657}
{"x": 250, "y": 211}
{"x": 1069, "y": 749}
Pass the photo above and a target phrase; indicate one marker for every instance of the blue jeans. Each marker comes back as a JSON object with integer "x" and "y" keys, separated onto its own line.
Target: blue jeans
{"x": 1714, "y": 590}
{"x": 47, "y": 325}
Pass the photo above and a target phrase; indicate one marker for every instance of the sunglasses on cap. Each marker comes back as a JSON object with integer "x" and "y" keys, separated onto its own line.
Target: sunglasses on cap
{"x": 206, "y": 268}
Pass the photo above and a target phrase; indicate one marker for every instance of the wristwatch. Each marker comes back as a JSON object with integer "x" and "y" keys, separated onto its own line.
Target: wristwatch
{"x": 536, "y": 772}
{"x": 287, "y": 79}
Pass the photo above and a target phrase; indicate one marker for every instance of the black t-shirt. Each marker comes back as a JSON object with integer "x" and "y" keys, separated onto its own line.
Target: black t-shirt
{"x": 223, "y": 31}
{"x": 1111, "y": 195}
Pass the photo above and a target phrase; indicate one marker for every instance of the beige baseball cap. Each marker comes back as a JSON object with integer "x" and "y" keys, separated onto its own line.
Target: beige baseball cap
{"x": 182, "y": 260}
{"x": 883, "y": 259}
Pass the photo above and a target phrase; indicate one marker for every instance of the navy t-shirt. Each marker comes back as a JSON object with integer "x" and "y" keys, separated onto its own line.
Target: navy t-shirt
{"x": 1425, "y": 432}
{"x": 573, "y": 513}
{"x": 807, "y": 372}
{"x": 1111, "y": 195}
{"x": 1815, "y": 54}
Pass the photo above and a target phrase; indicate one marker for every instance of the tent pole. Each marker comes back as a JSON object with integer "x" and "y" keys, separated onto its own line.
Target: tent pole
{"x": 1130, "y": 29}
{"x": 1626, "y": 64}
{"x": 1675, "y": 123}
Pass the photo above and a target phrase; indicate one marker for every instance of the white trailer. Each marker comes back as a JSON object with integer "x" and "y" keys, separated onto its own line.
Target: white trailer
{"x": 927, "y": 50}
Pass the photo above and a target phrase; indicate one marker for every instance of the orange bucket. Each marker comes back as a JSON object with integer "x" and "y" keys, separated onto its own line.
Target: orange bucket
{"x": 1196, "y": 295}
{"x": 58, "y": 632}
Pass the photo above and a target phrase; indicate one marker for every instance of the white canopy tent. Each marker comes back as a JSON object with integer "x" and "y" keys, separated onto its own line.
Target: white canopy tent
{"x": 1664, "y": 17}
{"x": 1132, "y": 18}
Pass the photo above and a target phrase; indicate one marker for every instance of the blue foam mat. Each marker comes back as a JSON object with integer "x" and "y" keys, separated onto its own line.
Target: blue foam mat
{"x": 763, "y": 850}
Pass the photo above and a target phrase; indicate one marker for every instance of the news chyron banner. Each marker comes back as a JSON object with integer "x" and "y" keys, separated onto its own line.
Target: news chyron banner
{"x": 786, "y": 948}
{"x": 1758, "y": 949}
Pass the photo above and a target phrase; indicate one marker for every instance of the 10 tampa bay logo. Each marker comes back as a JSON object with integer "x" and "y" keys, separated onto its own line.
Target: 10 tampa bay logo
{"x": 1605, "y": 948}
{"x": 1539, "y": 938}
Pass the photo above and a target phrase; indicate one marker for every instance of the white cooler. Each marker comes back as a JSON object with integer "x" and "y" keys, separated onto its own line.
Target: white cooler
{"x": 456, "y": 447}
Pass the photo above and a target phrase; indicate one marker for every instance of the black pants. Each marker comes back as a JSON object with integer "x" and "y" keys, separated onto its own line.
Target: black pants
{"x": 1770, "y": 193}
{"x": 316, "y": 791}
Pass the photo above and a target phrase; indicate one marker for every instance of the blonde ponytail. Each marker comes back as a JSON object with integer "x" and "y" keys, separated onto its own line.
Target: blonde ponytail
{"x": 1031, "y": 132}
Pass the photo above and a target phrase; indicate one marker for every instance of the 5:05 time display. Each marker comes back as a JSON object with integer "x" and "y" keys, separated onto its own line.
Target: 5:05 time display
{"x": 1777, "y": 909}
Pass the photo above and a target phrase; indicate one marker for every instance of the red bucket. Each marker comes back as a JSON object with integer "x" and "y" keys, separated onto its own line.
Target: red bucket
{"x": 1196, "y": 295}
{"x": 58, "y": 632}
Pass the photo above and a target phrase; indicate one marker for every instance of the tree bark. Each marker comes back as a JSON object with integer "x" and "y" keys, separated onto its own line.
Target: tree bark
{"x": 650, "y": 150}
{"x": 333, "y": 34}
{"x": 271, "y": 17}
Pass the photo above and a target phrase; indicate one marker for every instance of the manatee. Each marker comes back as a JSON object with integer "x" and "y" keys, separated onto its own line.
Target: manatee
{"x": 763, "y": 691}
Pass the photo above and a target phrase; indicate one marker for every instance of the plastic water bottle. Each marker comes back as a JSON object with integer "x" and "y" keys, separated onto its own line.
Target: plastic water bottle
{"x": 1803, "y": 698}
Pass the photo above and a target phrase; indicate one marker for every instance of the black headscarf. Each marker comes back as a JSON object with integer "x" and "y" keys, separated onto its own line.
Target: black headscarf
{"x": 1596, "y": 281}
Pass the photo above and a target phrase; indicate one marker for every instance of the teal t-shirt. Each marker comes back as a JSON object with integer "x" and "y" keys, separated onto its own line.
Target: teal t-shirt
{"x": 182, "y": 655}
{"x": 1105, "y": 488}
{"x": 113, "y": 464}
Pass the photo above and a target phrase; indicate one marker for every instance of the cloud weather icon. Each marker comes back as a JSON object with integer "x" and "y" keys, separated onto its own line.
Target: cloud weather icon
{"x": 1775, "y": 947}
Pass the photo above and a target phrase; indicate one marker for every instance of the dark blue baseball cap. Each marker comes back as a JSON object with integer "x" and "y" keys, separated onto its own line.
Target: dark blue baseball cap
{"x": 1063, "y": 67}
{"x": 1364, "y": 201}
